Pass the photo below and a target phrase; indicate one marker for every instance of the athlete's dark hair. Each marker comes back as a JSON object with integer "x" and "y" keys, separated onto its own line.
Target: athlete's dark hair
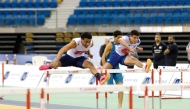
{"x": 117, "y": 32}
{"x": 134, "y": 32}
{"x": 172, "y": 36}
{"x": 157, "y": 34}
{"x": 86, "y": 35}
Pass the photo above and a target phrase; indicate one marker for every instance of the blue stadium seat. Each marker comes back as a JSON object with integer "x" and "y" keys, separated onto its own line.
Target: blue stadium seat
{"x": 22, "y": 4}
{"x": 24, "y": 20}
{"x": 141, "y": 3}
{"x": 40, "y": 20}
{"x": 172, "y": 2}
{"x": 8, "y": 20}
{"x": 47, "y": 13}
{"x": 2, "y": 18}
{"x": 16, "y": 20}
{"x": 187, "y": 3}
{"x": 91, "y": 3}
{"x": 92, "y": 12}
{"x": 180, "y": 2}
{"x": 144, "y": 20}
{"x": 99, "y": 3}
{"x": 167, "y": 20}
{"x": 6, "y": 4}
{"x": 133, "y": 3}
{"x": 83, "y": 3}
{"x": 105, "y": 19}
{"x": 182, "y": 20}
{"x": 53, "y": 4}
{"x": 125, "y": 3}
{"x": 80, "y": 20}
{"x": 108, "y": 3}
{"x": 71, "y": 20}
{"x": 175, "y": 20}
{"x": 117, "y": 3}
{"x": 45, "y": 4}
{"x": 32, "y": 20}
{"x": 30, "y": 4}
{"x": 97, "y": 19}
{"x": 15, "y": 12}
{"x": 89, "y": 19}
{"x": 149, "y": 3}
{"x": 165, "y": 2}
{"x": 113, "y": 19}
{"x": 14, "y": 4}
{"x": 37, "y": 4}
{"x": 159, "y": 20}
{"x": 157, "y": 2}
{"x": 121, "y": 19}
{"x": 128, "y": 21}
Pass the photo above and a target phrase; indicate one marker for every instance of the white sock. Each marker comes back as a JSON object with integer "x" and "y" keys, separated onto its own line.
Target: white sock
{"x": 144, "y": 67}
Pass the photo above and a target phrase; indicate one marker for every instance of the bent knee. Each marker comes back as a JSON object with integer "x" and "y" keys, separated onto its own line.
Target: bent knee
{"x": 88, "y": 64}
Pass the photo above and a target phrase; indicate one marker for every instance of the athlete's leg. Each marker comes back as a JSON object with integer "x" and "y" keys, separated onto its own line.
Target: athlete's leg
{"x": 110, "y": 81}
{"x": 130, "y": 60}
{"x": 83, "y": 62}
{"x": 64, "y": 61}
{"x": 119, "y": 81}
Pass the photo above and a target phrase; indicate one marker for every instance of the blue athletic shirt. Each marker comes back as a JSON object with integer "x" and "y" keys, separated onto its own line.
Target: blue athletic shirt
{"x": 113, "y": 49}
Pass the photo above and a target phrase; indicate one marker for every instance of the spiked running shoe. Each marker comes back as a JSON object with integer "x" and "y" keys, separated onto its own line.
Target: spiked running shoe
{"x": 104, "y": 78}
{"x": 148, "y": 65}
{"x": 44, "y": 67}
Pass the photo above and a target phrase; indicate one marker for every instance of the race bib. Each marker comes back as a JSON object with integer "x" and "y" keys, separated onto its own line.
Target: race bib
{"x": 125, "y": 51}
{"x": 79, "y": 52}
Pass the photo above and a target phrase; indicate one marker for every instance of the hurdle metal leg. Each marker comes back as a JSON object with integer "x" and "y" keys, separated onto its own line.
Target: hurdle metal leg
{"x": 96, "y": 103}
{"x": 106, "y": 102}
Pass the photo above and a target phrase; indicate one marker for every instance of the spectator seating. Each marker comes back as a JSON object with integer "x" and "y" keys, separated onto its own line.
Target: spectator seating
{"x": 132, "y": 3}
{"x": 130, "y": 16}
{"x": 18, "y": 17}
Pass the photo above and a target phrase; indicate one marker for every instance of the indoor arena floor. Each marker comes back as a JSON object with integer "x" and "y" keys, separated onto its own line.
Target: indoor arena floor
{"x": 88, "y": 101}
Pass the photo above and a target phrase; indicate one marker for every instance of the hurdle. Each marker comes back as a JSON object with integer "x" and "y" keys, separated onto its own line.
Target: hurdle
{"x": 79, "y": 89}
{"x": 181, "y": 81}
{"x": 86, "y": 71}
{"x": 2, "y": 65}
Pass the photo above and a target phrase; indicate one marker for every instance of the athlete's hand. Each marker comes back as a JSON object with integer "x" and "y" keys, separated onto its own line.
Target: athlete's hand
{"x": 90, "y": 55}
{"x": 54, "y": 64}
{"x": 132, "y": 51}
{"x": 139, "y": 49}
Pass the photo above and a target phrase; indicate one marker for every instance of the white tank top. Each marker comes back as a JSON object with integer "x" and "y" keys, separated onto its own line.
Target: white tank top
{"x": 80, "y": 50}
{"x": 122, "y": 50}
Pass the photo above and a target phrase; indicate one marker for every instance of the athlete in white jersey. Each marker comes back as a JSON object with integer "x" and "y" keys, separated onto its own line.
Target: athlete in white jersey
{"x": 74, "y": 56}
{"x": 123, "y": 49}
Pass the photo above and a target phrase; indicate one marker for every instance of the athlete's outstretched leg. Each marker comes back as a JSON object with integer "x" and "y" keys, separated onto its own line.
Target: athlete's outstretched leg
{"x": 130, "y": 60}
{"x": 120, "y": 97}
{"x": 102, "y": 78}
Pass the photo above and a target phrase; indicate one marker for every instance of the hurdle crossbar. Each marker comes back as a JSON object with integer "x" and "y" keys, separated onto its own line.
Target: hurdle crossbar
{"x": 85, "y": 71}
{"x": 103, "y": 88}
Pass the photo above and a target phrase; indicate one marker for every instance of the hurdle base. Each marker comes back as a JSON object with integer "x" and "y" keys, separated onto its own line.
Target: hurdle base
{"x": 149, "y": 96}
{"x": 1, "y": 98}
{"x": 171, "y": 97}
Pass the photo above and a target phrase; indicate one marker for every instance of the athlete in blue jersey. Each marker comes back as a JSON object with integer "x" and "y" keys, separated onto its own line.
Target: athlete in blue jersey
{"x": 117, "y": 77}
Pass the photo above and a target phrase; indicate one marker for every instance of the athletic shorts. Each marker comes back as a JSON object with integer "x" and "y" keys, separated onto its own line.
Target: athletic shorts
{"x": 117, "y": 77}
{"x": 67, "y": 60}
{"x": 115, "y": 59}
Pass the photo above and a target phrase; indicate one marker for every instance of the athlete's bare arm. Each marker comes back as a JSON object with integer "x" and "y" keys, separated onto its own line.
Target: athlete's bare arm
{"x": 106, "y": 52}
{"x": 92, "y": 43}
{"x": 65, "y": 48}
{"x": 122, "y": 42}
{"x": 139, "y": 49}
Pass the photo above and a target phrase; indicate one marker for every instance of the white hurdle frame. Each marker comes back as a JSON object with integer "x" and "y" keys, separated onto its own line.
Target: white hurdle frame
{"x": 181, "y": 80}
